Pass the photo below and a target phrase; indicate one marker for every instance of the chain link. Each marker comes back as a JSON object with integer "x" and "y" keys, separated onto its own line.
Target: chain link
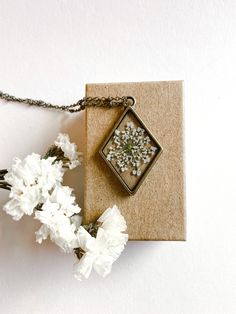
{"x": 76, "y": 107}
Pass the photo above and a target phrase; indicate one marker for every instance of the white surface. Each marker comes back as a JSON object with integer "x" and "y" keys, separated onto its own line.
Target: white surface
{"x": 49, "y": 50}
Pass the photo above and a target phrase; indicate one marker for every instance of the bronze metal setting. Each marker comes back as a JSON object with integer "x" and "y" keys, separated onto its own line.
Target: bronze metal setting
{"x": 129, "y": 181}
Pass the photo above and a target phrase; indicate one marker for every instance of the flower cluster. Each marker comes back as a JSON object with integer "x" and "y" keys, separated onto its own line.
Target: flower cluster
{"x": 35, "y": 185}
{"x": 59, "y": 216}
{"x": 34, "y": 178}
{"x": 130, "y": 149}
{"x": 101, "y": 251}
{"x": 31, "y": 181}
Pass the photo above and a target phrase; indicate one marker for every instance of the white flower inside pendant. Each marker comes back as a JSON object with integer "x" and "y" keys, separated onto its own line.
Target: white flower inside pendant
{"x": 130, "y": 150}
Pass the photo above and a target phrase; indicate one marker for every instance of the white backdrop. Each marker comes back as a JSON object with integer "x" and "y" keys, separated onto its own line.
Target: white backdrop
{"x": 49, "y": 50}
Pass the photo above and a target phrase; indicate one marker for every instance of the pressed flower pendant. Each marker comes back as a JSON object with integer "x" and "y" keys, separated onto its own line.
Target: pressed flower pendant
{"x": 130, "y": 150}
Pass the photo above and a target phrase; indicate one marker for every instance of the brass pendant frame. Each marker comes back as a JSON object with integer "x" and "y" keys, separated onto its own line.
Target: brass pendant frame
{"x": 134, "y": 189}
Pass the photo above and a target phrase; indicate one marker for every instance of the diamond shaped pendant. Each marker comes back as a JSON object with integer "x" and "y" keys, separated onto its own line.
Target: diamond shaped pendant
{"x": 130, "y": 150}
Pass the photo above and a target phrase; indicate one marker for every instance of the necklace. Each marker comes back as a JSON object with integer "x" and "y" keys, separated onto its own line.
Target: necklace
{"x": 77, "y": 106}
{"x": 130, "y": 150}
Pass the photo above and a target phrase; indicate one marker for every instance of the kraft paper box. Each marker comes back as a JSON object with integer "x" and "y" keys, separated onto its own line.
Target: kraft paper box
{"x": 157, "y": 210}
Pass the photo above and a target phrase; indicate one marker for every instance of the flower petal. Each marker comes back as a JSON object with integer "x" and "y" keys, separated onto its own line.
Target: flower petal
{"x": 112, "y": 220}
{"x": 103, "y": 264}
{"x": 83, "y": 267}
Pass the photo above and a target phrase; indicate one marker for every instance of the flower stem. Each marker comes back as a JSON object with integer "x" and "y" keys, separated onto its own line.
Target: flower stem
{"x": 79, "y": 252}
{"x": 2, "y": 173}
{"x": 57, "y": 152}
{"x": 92, "y": 229}
{"x": 4, "y": 185}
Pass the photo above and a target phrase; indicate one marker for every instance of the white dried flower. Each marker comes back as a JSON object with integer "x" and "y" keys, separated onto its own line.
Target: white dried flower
{"x": 112, "y": 220}
{"x": 95, "y": 256}
{"x": 35, "y": 184}
{"x": 69, "y": 149}
{"x": 100, "y": 252}
{"x": 31, "y": 179}
{"x": 51, "y": 175}
{"x": 64, "y": 197}
{"x": 23, "y": 201}
{"x": 59, "y": 222}
{"x": 56, "y": 225}
{"x": 42, "y": 234}
{"x": 130, "y": 149}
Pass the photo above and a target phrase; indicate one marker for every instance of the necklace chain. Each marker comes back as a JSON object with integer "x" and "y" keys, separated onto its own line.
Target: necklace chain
{"x": 76, "y": 107}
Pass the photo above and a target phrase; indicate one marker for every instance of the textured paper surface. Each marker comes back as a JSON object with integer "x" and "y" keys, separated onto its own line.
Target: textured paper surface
{"x": 157, "y": 210}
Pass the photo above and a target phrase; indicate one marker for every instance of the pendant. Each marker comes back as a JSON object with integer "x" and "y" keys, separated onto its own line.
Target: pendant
{"x": 130, "y": 150}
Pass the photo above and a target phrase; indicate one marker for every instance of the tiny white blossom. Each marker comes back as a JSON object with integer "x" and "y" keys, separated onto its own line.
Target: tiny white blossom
{"x": 69, "y": 149}
{"x": 136, "y": 172}
{"x": 130, "y": 149}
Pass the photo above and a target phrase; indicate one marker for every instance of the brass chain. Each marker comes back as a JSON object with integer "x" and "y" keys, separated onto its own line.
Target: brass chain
{"x": 76, "y": 107}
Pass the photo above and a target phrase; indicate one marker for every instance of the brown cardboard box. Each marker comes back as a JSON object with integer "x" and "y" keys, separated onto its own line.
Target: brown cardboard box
{"x": 157, "y": 210}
